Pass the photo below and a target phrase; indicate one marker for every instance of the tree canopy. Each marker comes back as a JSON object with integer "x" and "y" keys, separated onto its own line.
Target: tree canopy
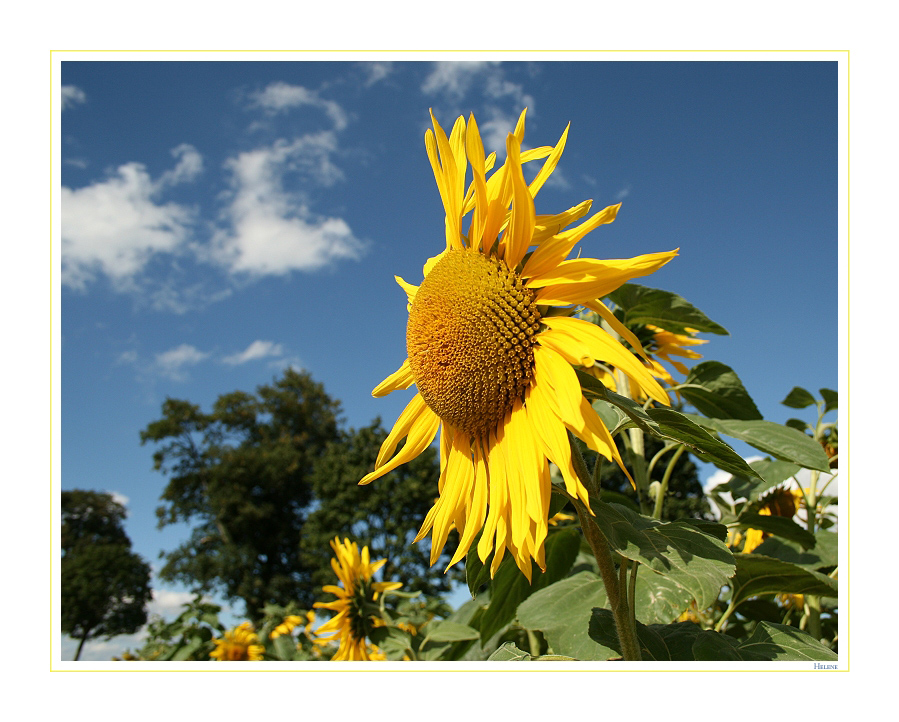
{"x": 105, "y": 585}
{"x": 268, "y": 479}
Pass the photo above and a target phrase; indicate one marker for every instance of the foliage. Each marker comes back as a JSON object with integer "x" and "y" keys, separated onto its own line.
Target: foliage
{"x": 105, "y": 586}
{"x": 242, "y": 473}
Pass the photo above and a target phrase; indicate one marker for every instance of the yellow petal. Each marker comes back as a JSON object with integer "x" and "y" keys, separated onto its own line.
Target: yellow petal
{"x": 550, "y": 164}
{"x": 400, "y": 379}
{"x": 517, "y": 238}
{"x": 419, "y": 425}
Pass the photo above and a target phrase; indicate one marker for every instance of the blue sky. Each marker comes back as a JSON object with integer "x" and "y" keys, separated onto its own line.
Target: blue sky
{"x": 222, "y": 220}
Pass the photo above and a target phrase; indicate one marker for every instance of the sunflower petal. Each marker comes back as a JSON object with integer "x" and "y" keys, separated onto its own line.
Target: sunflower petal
{"x": 400, "y": 379}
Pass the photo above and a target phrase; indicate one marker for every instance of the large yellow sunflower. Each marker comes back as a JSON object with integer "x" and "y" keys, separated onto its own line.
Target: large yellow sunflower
{"x": 354, "y": 605}
{"x": 492, "y": 348}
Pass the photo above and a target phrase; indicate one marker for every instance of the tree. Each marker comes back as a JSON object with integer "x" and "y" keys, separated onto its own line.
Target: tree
{"x": 105, "y": 586}
{"x": 242, "y": 472}
{"x": 384, "y": 515}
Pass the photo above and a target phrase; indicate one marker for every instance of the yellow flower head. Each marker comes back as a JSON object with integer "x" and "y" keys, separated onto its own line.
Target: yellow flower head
{"x": 492, "y": 348}
{"x": 355, "y": 601}
{"x": 239, "y": 644}
{"x": 290, "y": 622}
{"x": 779, "y": 502}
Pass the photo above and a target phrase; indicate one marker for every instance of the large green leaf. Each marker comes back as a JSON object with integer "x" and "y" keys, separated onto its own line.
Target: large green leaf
{"x": 780, "y": 642}
{"x": 716, "y": 391}
{"x": 562, "y": 612}
{"x": 448, "y": 632}
{"x": 642, "y": 305}
{"x": 510, "y": 587}
{"x": 683, "y": 428}
{"x": 782, "y": 442}
{"x": 392, "y": 642}
{"x": 686, "y": 641}
{"x": 779, "y": 525}
{"x": 758, "y": 574}
{"x": 824, "y": 554}
{"x": 698, "y": 562}
{"x": 659, "y": 599}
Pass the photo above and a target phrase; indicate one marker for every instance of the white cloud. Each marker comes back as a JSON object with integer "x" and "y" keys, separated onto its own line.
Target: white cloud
{"x": 117, "y": 225}
{"x": 503, "y": 100}
{"x": 172, "y": 363}
{"x": 256, "y": 350}
{"x": 623, "y": 193}
{"x": 279, "y": 97}
{"x": 119, "y": 498}
{"x": 273, "y": 231}
{"x": 72, "y": 95}
{"x": 376, "y": 71}
{"x": 455, "y": 78}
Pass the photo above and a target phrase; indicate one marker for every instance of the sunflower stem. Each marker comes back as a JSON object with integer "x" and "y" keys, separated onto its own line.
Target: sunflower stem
{"x": 615, "y": 591}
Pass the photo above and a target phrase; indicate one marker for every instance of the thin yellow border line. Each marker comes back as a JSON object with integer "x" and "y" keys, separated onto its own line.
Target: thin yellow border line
{"x": 331, "y": 669}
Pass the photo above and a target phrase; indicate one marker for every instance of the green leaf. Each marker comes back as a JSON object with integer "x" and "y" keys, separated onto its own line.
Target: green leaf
{"x": 824, "y": 555}
{"x": 562, "y": 612}
{"x": 758, "y": 574}
{"x": 449, "y": 632}
{"x": 510, "y": 587}
{"x": 393, "y": 642}
{"x": 697, "y": 562}
{"x": 477, "y": 574}
{"x": 716, "y": 391}
{"x": 770, "y": 474}
{"x": 830, "y": 399}
{"x": 508, "y": 652}
{"x": 642, "y": 305}
{"x": 781, "y": 526}
{"x": 681, "y": 427}
{"x": 798, "y": 398}
{"x": 782, "y": 442}
{"x": 782, "y": 643}
{"x": 716, "y": 647}
{"x": 284, "y": 647}
{"x": 593, "y": 388}
{"x": 659, "y": 599}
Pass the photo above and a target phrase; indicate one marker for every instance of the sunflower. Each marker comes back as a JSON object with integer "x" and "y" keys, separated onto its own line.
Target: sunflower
{"x": 492, "y": 349}
{"x": 239, "y": 644}
{"x": 779, "y": 502}
{"x": 356, "y": 611}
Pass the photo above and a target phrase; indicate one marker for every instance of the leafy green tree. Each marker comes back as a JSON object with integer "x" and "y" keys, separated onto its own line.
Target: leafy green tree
{"x": 384, "y": 516}
{"x": 241, "y": 473}
{"x": 105, "y": 585}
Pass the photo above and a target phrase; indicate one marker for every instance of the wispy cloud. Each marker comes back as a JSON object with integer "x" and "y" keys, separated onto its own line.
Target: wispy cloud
{"x": 174, "y": 362}
{"x": 279, "y": 97}
{"x": 72, "y": 95}
{"x": 502, "y": 100}
{"x": 116, "y": 225}
{"x": 271, "y": 230}
{"x": 623, "y": 193}
{"x": 376, "y": 71}
{"x": 256, "y": 350}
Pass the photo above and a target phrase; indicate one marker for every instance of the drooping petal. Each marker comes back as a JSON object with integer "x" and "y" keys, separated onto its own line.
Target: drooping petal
{"x": 400, "y": 379}
{"x": 518, "y": 233}
{"x": 419, "y": 425}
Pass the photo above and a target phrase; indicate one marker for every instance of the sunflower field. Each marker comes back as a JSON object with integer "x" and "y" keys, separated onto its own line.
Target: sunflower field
{"x": 537, "y": 371}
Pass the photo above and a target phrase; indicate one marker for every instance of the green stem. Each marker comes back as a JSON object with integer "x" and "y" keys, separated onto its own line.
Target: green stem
{"x": 663, "y": 489}
{"x": 599, "y": 545}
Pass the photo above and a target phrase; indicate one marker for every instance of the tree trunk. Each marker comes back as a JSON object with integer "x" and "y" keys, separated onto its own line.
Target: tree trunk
{"x": 80, "y": 645}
